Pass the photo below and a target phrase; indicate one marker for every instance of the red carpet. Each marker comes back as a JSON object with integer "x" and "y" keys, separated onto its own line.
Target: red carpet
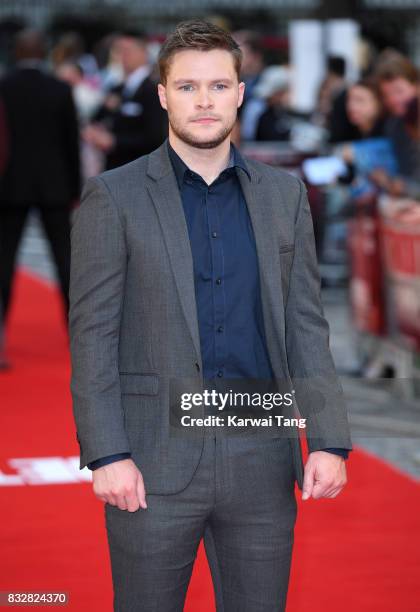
{"x": 359, "y": 552}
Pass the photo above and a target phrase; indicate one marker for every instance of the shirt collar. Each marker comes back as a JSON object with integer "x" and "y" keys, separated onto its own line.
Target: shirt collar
{"x": 180, "y": 167}
{"x": 135, "y": 79}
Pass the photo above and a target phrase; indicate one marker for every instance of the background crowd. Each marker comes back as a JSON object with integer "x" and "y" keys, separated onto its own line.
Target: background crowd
{"x": 67, "y": 113}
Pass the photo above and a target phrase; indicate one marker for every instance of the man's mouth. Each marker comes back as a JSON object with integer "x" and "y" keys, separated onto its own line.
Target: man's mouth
{"x": 205, "y": 120}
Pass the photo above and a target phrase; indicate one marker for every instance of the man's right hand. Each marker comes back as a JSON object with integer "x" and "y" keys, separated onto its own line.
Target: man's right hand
{"x": 120, "y": 484}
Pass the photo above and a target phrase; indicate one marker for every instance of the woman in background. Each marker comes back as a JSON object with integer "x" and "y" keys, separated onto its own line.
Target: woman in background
{"x": 365, "y": 110}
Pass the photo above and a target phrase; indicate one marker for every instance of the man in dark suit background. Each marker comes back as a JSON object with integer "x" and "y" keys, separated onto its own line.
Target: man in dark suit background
{"x": 131, "y": 122}
{"x": 42, "y": 167}
{"x": 4, "y": 142}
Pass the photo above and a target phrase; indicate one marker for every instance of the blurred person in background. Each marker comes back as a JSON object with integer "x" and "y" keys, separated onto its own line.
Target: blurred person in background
{"x": 252, "y": 67}
{"x": 253, "y": 60}
{"x": 71, "y": 48}
{"x": 110, "y": 70}
{"x": 331, "y": 110}
{"x": 332, "y": 85}
{"x": 87, "y": 98}
{"x": 276, "y": 120}
{"x": 364, "y": 108}
{"x": 131, "y": 122}
{"x": 366, "y": 114}
{"x": 371, "y": 151}
{"x": 42, "y": 168}
{"x": 4, "y": 148}
{"x": 398, "y": 82}
{"x": 398, "y": 79}
{"x": 412, "y": 118}
{"x": 4, "y": 362}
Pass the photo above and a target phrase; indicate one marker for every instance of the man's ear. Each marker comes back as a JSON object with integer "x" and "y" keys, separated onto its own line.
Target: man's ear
{"x": 162, "y": 96}
{"x": 241, "y": 89}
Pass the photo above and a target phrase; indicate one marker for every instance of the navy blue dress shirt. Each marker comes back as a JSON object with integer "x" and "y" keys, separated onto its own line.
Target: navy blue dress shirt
{"x": 226, "y": 277}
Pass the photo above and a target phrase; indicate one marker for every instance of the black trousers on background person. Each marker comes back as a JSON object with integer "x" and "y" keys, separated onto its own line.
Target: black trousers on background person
{"x": 56, "y": 222}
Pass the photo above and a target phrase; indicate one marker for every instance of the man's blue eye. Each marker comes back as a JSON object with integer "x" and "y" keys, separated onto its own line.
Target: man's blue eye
{"x": 186, "y": 87}
{"x": 220, "y": 86}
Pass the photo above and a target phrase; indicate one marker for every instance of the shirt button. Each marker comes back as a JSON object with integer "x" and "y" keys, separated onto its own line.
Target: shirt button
{"x": 220, "y": 328}
{"x": 214, "y": 234}
{"x": 218, "y": 281}
{"x": 220, "y": 373}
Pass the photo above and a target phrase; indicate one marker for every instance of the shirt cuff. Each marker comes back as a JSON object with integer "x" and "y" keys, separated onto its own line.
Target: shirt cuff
{"x": 108, "y": 459}
{"x": 343, "y": 452}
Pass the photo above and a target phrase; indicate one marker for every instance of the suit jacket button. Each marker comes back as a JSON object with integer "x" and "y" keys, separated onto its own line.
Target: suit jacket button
{"x": 197, "y": 365}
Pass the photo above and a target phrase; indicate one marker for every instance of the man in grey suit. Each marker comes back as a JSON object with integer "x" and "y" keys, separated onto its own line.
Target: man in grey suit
{"x": 192, "y": 266}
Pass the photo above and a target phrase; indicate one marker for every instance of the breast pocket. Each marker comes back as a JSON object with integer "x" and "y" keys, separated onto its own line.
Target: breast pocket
{"x": 134, "y": 383}
{"x": 286, "y": 248}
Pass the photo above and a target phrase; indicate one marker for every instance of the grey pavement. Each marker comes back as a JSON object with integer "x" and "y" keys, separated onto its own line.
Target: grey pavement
{"x": 383, "y": 421}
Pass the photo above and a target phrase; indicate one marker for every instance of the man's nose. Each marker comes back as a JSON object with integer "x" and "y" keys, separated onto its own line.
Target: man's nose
{"x": 204, "y": 100}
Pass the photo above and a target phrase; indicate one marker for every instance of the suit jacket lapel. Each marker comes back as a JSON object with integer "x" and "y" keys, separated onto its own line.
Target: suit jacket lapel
{"x": 260, "y": 207}
{"x": 167, "y": 201}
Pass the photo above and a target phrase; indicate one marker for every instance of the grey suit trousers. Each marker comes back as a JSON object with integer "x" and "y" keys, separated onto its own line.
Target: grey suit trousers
{"x": 241, "y": 500}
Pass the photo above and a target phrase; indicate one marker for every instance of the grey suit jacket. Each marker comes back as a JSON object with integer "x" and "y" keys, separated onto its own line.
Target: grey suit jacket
{"x": 133, "y": 319}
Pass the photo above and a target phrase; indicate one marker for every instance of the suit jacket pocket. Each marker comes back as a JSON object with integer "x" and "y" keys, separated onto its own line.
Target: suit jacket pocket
{"x": 139, "y": 384}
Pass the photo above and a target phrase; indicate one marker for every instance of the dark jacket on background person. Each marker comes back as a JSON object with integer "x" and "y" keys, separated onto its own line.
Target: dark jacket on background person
{"x": 406, "y": 148}
{"x": 4, "y": 139}
{"x": 139, "y": 123}
{"x": 338, "y": 124}
{"x": 274, "y": 124}
{"x": 43, "y": 165}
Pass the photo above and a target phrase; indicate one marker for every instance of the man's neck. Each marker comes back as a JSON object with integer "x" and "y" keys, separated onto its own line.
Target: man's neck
{"x": 208, "y": 163}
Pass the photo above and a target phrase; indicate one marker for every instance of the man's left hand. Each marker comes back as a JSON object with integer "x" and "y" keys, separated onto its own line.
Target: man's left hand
{"x": 325, "y": 475}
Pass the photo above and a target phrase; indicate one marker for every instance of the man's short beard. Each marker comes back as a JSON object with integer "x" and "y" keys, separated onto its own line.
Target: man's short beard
{"x": 186, "y": 137}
